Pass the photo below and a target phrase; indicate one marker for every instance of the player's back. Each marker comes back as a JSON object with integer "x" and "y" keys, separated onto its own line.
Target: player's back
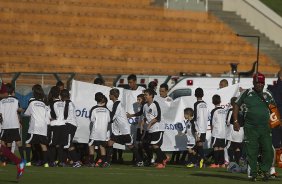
{"x": 8, "y": 108}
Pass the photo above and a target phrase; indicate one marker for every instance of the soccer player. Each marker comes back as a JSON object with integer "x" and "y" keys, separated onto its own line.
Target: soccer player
{"x": 236, "y": 137}
{"x": 190, "y": 132}
{"x": 218, "y": 129}
{"x": 99, "y": 119}
{"x": 201, "y": 121}
{"x": 9, "y": 108}
{"x": 120, "y": 128}
{"x": 152, "y": 114}
{"x": 58, "y": 127}
{"x": 164, "y": 91}
{"x": 71, "y": 126}
{"x": 19, "y": 164}
{"x": 37, "y": 131}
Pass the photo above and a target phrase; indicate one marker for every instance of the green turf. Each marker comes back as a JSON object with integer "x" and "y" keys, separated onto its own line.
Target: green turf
{"x": 275, "y": 5}
{"x": 124, "y": 174}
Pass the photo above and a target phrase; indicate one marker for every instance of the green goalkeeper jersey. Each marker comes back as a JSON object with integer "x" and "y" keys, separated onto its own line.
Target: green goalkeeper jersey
{"x": 256, "y": 111}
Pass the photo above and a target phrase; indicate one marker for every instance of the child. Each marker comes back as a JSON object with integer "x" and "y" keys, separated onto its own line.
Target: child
{"x": 58, "y": 128}
{"x": 190, "y": 132}
{"x": 71, "y": 126}
{"x": 201, "y": 121}
{"x": 9, "y": 108}
{"x": 236, "y": 137}
{"x": 120, "y": 128}
{"x": 100, "y": 119}
{"x": 37, "y": 131}
{"x": 140, "y": 126}
{"x": 218, "y": 128}
{"x": 152, "y": 114}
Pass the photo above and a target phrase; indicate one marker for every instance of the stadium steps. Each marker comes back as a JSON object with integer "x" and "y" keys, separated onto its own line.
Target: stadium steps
{"x": 241, "y": 26}
{"x": 73, "y": 37}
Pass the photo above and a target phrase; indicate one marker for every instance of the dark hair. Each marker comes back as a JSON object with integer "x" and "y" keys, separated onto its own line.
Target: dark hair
{"x": 99, "y": 97}
{"x": 10, "y": 88}
{"x": 99, "y": 81}
{"x": 114, "y": 92}
{"x": 151, "y": 92}
{"x": 216, "y": 99}
{"x": 38, "y": 92}
{"x": 132, "y": 77}
{"x": 199, "y": 93}
{"x": 65, "y": 94}
{"x": 189, "y": 111}
{"x": 143, "y": 98}
{"x": 233, "y": 100}
{"x": 54, "y": 93}
{"x": 59, "y": 83}
{"x": 152, "y": 85}
{"x": 164, "y": 85}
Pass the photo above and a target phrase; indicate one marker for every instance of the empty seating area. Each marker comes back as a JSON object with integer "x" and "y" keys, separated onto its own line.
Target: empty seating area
{"x": 118, "y": 37}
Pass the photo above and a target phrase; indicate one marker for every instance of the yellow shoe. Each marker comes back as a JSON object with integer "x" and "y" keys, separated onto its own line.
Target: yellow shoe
{"x": 46, "y": 165}
{"x": 28, "y": 164}
{"x": 201, "y": 163}
{"x": 190, "y": 165}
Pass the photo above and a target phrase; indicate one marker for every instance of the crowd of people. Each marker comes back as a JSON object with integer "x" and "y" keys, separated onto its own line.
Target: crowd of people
{"x": 53, "y": 125}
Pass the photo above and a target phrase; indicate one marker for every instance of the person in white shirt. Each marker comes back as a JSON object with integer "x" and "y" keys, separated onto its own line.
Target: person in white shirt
{"x": 99, "y": 121}
{"x": 201, "y": 122}
{"x": 236, "y": 137}
{"x": 71, "y": 126}
{"x": 218, "y": 130}
{"x": 58, "y": 128}
{"x": 120, "y": 128}
{"x": 9, "y": 108}
{"x": 155, "y": 129}
{"x": 164, "y": 91}
{"x": 190, "y": 133}
{"x": 37, "y": 131}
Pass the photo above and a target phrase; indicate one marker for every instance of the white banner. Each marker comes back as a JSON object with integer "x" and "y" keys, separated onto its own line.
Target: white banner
{"x": 83, "y": 94}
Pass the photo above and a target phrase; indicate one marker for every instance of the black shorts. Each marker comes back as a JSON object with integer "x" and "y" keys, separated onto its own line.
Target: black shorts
{"x": 10, "y": 135}
{"x": 36, "y": 139}
{"x": 70, "y": 132}
{"x": 139, "y": 135}
{"x": 190, "y": 146}
{"x": 156, "y": 138}
{"x": 97, "y": 143}
{"x": 122, "y": 139}
{"x": 236, "y": 145}
{"x": 58, "y": 135}
{"x": 216, "y": 142}
{"x": 202, "y": 137}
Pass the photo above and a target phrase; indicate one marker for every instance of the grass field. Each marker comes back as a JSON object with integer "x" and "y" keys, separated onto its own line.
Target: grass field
{"x": 124, "y": 174}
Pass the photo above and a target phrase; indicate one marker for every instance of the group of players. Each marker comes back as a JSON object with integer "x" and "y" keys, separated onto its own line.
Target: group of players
{"x": 53, "y": 125}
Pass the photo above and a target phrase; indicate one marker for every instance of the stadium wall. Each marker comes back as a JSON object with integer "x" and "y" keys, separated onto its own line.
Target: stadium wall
{"x": 259, "y": 16}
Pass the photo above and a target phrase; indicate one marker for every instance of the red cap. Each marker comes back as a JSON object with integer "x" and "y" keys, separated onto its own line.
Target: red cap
{"x": 260, "y": 78}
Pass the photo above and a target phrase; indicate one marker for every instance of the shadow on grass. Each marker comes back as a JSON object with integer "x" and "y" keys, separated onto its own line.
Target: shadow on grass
{"x": 8, "y": 181}
{"x": 218, "y": 175}
{"x": 234, "y": 177}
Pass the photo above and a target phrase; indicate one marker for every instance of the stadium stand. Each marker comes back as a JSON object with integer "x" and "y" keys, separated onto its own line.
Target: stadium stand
{"x": 118, "y": 37}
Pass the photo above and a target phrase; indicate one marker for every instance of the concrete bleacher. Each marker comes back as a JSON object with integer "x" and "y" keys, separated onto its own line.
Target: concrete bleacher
{"x": 118, "y": 37}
